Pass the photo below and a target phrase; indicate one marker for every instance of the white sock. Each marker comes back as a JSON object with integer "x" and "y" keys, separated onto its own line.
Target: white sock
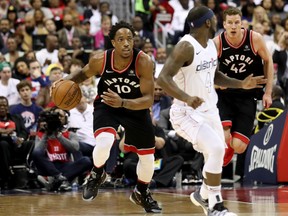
{"x": 214, "y": 195}
{"x": 204, "y": 191}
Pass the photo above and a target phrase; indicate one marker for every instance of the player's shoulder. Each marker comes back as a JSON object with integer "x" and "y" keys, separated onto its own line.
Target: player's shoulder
{"x": 143, "y": 57}
{"x": 255, "y": 35}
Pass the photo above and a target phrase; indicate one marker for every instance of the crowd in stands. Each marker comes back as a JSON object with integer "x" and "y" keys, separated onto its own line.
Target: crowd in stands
{"x": 43, "y": 41}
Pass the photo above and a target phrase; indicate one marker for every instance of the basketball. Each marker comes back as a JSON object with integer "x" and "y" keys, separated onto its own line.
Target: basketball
{"x": 66, "y": 94}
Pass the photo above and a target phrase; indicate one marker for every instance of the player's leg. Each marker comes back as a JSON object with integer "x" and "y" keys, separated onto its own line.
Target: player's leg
{"x": 105, "y": 127}
{"x": 214, "y": 149}
{"x": 140, "y": 138}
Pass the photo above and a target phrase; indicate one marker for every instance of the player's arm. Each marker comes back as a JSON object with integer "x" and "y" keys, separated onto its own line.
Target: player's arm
{"x": 145, "y": 72}
{"x": 182, "y": 55}
{"x": 261, "y": 49}
{"x": 216, "y": 41}
{"x": 94, "y": 67}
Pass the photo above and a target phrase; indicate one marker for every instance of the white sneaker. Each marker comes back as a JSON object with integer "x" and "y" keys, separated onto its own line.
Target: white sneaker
{"x": 220, "y": 210}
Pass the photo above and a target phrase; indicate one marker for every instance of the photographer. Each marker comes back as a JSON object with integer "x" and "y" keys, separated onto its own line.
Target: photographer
{"x": 53, "y": 150}
{"x": 13, "y": 145}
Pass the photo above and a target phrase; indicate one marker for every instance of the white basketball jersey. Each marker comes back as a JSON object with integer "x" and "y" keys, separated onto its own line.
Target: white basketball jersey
{"x": 197, "y": 79}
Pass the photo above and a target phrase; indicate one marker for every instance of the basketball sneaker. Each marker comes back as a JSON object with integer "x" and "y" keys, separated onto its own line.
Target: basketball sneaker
{"x": 219, "y": 209}
{"x": 92, "y": 184}
{"x": 145, "y": 200}
{"x": 197, "y": 200}
{"x": 229, "y": 153}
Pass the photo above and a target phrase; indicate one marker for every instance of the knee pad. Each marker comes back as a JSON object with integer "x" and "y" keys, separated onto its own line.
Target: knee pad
{"x": 101, "y": 152}
{"x": 145, "y": 168}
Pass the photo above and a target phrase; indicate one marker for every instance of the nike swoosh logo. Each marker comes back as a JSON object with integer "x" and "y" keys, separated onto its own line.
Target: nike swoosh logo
{"x": 198, "y": 52}
{"x": 226, "y": 48}
{"x": 109, "y": 71}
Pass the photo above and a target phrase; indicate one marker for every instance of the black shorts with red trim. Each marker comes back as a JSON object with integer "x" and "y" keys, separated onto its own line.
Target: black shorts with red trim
{"x": 139, "y": 132}
{"x": 237, "y": 111}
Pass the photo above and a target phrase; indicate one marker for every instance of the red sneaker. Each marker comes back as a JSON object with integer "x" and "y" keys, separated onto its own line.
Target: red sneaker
{"x": 229, "y": 152}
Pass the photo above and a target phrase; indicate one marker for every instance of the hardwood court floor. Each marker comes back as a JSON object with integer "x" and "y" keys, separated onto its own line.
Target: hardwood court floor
{"x": 250, "y": 201}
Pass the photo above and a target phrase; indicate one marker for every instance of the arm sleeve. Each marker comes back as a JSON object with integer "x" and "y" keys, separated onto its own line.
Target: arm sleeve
{"x": 71, "y": 144}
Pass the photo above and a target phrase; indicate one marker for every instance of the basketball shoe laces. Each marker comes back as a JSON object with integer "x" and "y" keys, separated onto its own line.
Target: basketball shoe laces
{"x": 148, "y": 200}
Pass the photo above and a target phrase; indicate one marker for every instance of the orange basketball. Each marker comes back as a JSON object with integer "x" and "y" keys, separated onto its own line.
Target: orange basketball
{"x": 66, "y": 94}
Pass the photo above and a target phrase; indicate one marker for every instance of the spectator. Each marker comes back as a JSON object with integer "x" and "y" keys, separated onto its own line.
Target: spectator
{"x": 81, "y": 119}
{"x": 148, "y": 48}
{"x": 104, "y": 9}
{"x": 143, "y": 10}
{"x": 259, "y": 15}
{"x": 21, "y": 69}
{"x": 13, "y": 53}
{"x": 13, "y": 145}
{"x": 272, "y": 45}
{"x": 8, "y": 84}
{"x": 247, "y": 10}
{"x": 86, "y": 26}
{"x": 161, "y": 101}
{"x": 37, "y": 4}
{"x": 181, "y": 9}
{"x": 3, "y": 9}
{"x": 52, "y": 153}
{"x": 138, "y": 25}
{"x": 99, "y": 39}
{"x": 161, "y": 56}
{"x": 94, "y": 15}
{"x": 5, "y": 32}
{"x": 37, "y": 78}
{"x": 71, "y": 8}
{"x": 138, "y": 42}
{"x": 56, "y": 8}
{"x": 280, "y": 8}
{"x": 29, "y": 31}
{"x": 27, "y": 108}
{"x": 40, "y": 28}
{"x": 79, "y": 51}
{"x": 280, "y": 58}
{"x": 12, "y": 17}
{"x": 54, "y": 72}
{"x": 66, "y": 34}
{"x": 50, "y": 26}
{"x": 49, "y": 54}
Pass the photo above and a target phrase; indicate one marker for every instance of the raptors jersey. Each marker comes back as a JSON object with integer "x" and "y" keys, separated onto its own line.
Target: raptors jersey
{"x": 197, "y": 79}
{"x": 125, "y": 83}
{"x": 241, "y": 61}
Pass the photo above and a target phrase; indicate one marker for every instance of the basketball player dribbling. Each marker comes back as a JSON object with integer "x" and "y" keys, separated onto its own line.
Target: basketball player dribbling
{"x": 188, "y": 76}
{"x": 125, "y": 93}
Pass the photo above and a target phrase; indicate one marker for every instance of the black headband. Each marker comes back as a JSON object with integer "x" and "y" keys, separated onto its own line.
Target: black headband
{"x": 199, "y": 22}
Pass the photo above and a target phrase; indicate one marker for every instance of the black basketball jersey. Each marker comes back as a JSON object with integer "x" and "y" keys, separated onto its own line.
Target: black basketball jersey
{"x": 241, "y": 61}
{"x": 126, "y": 83}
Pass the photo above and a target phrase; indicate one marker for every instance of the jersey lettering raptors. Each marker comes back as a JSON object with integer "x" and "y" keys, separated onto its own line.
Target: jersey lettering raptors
{"x": 197, "y": 79}
{"x": 241, "y": 61}
{"x": 126, "y": 83}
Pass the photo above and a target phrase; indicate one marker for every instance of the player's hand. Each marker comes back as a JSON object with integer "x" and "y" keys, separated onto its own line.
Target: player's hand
{"x": 267, "y": 100}
{"x": 194, "y": 102}
{"x": 53, "y": 86}
{"x": 251, "y": 82}
{"x": 111, "y": 98}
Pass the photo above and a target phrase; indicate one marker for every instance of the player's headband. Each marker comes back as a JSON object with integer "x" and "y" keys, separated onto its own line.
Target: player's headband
{"x": 199, "y": 22}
